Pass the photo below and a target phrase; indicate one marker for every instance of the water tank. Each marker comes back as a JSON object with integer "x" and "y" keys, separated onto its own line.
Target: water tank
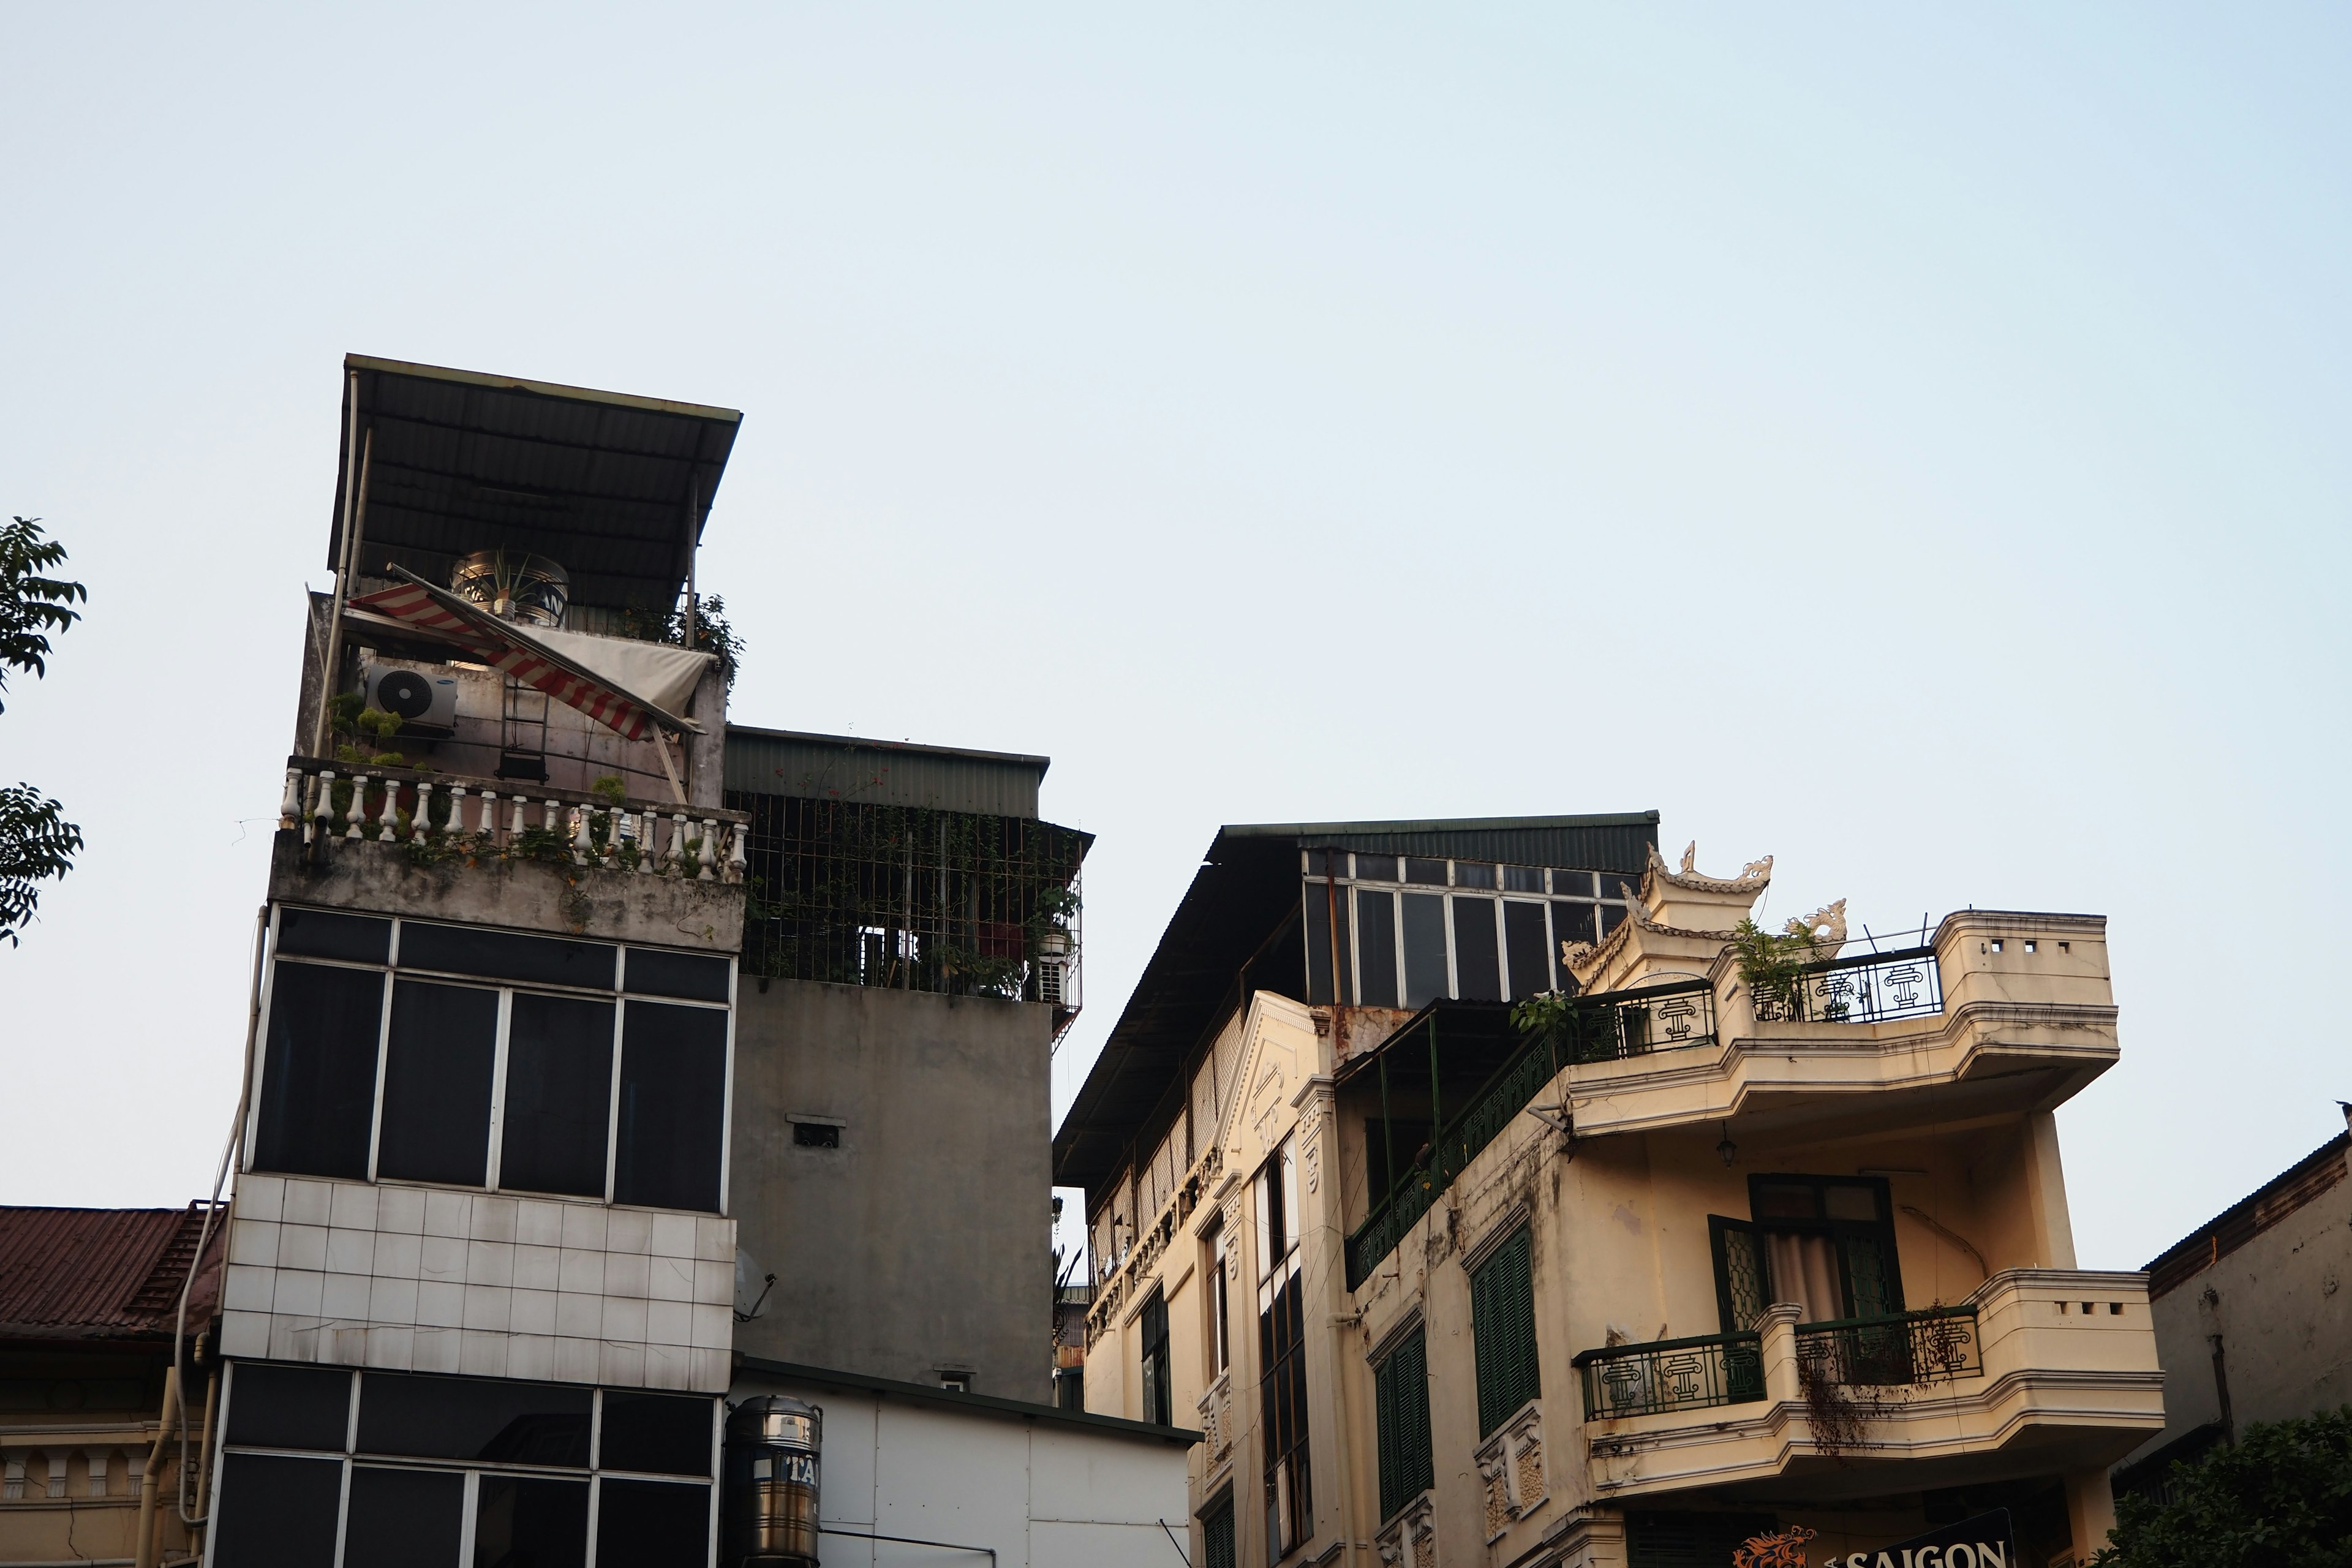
{"x": 769, "y": 1498}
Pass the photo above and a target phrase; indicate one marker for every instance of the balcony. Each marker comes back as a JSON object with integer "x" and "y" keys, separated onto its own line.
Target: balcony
{"x": 404, "y": 840}
{"x": 2038, "y": 1369}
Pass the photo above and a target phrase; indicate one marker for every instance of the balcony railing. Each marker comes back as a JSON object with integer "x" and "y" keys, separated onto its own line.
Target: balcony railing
{"x": 1934, "y": 1345}
{"x": 434, "y": 814}
{"x": 1619, "y": 1023}
{"x": 1671, "y": 1374}
{"x": 1869, "y": 988}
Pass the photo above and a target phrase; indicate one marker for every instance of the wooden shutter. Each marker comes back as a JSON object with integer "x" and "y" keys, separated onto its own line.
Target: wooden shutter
{"x": 1401, "y": 1405}
{"x": 1503, "y": 1326}
{"x": 1743, "y": 1280}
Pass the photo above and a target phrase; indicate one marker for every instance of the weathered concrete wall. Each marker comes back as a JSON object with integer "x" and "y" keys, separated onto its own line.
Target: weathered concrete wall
{"x": 521, "y": 895}
{"x": 920, "y": 1244}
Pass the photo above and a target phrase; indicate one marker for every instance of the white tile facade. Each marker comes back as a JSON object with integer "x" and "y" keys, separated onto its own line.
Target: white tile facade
{"x": 414, "y": 1279}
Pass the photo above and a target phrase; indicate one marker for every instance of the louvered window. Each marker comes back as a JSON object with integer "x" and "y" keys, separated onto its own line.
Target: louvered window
{"x": 1503, "y": 1324}
{"x": 1400, "y": 1404}
{"x": 1217, "y": 1533}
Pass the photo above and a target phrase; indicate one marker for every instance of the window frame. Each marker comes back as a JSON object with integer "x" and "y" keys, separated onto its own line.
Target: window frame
{"x": 1285, "y": 1413}
{"x": 1840, "y": 1232}
{"x": 1154, "y": 1363}
{"x": 393, "y": 971}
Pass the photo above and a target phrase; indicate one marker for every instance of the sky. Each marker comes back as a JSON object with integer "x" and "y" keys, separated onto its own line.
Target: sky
{"x": 1907, "y": 442}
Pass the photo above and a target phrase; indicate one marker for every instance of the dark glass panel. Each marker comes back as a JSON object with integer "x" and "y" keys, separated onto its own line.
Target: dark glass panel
{"x": 1425, "y": 948}
{"x": 1612, "y": 917}
{"x": 474, "y": 1418}
{"x": 1523, "y": 879}
{"x": 317, "y": 933}
{"x": 1323, "y": 901}
{"x": 697, "y": 976}
{"x": 1470, "y": 874}
{"x": 1573, "y": 923}
{"x": 506, "y": 955}
{"x": 1524, "y": 945}
{"x": 404, "y": 1519}
{"x": 521, "y": 1522}
{"x": 1477, "y": 960}
{"x": 318, "y": 1073}
{"x": 436, "y": 1084}
{"x": 1376, "y": 948}
{"x": 657, "y": 1432}
{"x": 1404, "y": 1139}
{"x": 653, "y": 1524}
{"x": 1572, "y": 884}
{"x": 1326, "y": 863}
{"x": 1376, "y": 869}
{"x": 673, "y": 1102}
{"x": 1788, "y": 1201}
{"x": 1428, "y": 873}
{"x": 290, "y": 1407}
{"x": 277, "y": 1512}
{"x": 552, "y": 1132}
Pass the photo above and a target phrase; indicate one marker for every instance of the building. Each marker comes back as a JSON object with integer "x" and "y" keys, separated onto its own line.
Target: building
{"x": 1663, "y": 1265}
{"x": 89, "y": 1305}
{"x": 2253, "y": 1322}
{"x": 603, "y": 1050}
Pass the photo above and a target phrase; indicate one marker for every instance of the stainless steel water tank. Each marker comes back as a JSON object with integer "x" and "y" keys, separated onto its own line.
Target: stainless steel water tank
{"x": 770, "y": 1497}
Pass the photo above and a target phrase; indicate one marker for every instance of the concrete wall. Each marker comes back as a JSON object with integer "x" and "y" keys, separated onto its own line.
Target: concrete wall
{"x": 921, "y": 1243}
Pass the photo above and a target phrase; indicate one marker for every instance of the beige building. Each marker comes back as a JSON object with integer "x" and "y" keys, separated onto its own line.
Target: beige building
{"x": 1685, "y": 1265}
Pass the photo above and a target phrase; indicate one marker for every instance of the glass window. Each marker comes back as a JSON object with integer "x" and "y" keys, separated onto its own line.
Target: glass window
{"x": 673, "y": 1106}
{"x": 660, "y": 1433}
{"x": 1573, "y": 923}
{"x": 1503, "y": 1332}
{"x": 1326, "y": 863}
{"x": 1612, "y": 916}
{"x": 468, "y": 1418}
{"x": 437, "y": 1067}
{"x": 1324, "y": 899}
{"x": 1523, "y": 879}
{"x": 1376, "y": 948}
{"x": 317, "y": 933}
{"x": 404, "y": 1519}
{"x": 290, "y": 1407}
{"x": 1428, "y": 873}
{"x": 1572, "y": 884}
{"x": 1220, "y": 1311}
{"x": 318, "y": 1073}
{"x": 556, "y": 1117}
{"x": 1470, "y": 874}
{"x": 652, "y": 1524}
{"x": 1424, "y": 949}
{"x": 520, "y": 1520}
{"x": 1401, "y": 1412}
{"x": 277, "y": 1512}
{"x": 506, "y": 955}
{"x": 1376, "y": 869}
{"x": 1478, "y": 961}
{"x": 697, "y": 976}
{"x": 1524, "y": 945}
{"x": 1154, "y": 1354}
{"x": 1282, "y": 1360}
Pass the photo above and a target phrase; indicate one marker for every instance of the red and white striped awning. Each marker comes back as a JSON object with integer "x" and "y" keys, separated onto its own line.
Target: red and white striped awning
{"x": 516, "y": 651}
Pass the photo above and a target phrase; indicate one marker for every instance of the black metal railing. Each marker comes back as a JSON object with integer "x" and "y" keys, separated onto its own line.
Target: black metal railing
{"x": 1602, "y": 1028}
{"x": 1936, "y": 1345}
{"x": 1671, "y": 1374}
{"x": 1868, "y": 988}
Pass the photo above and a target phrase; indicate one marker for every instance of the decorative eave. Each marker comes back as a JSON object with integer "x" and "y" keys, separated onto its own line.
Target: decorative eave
{"x": 1753, "y": 878}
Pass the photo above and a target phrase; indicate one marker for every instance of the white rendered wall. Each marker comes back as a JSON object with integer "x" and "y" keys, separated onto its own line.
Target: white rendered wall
{"x": 425, "y": 1280}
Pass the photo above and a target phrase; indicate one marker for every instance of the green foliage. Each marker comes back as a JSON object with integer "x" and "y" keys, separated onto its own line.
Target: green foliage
{"x": 1772, "y": 963}
{"x": 713, "y": 634}
{"x": 1543, "y": 1016}
{"x": 32, "y": 604}
{"x": 2280, "y": 1498}
{"x": 610, "y": 790}
{"x": 37, "y": 843}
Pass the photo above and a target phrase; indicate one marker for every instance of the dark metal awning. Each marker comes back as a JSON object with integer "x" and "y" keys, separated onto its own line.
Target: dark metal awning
{"x": 615, "y": 488}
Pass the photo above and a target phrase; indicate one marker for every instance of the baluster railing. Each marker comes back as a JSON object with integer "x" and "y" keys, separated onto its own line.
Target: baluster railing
{"x": 738, "y": 861}
{"x": 420, "y": 827}
{"x": 675, "y": 865}
{"x": 709, "y": 871}
{"x": 357, "y": 811}
{"x": 289, "y": 809}
{"x": 387, "y": 821}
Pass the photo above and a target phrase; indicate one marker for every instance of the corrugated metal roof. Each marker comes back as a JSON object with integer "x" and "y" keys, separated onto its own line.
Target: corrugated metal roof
{"x": 101, "y": 1273}
{"x": 598, "y": 481}
{"x": 1246, "y": 887}
{"x": 2317, "y": 1172}
{"x": 883, "y": 772}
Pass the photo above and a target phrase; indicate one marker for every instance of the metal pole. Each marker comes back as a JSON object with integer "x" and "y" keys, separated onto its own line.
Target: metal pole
{"x": 352, "y": 460}
{"x": 693, "y": 548}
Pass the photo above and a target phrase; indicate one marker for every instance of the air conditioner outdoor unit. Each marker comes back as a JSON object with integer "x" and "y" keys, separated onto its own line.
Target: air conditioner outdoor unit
{"x": 429, "y": 702}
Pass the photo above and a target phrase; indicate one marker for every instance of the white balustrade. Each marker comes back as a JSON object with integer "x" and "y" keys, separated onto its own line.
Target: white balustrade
{"x": 489, "y": 825}
{"x": 388, "y": 821}
{"x": 710, "y": 856}
{"x": 289, "y": 809}
{"x": 515, "y": 829}
{"x": 421, "y": 825}
{"x": 457, "y": 808}
{"x": 356, "y": 812}
{"x": 675, "y": 865}
{"x": 581, "y": 846}
{"x": 736, "y": 860}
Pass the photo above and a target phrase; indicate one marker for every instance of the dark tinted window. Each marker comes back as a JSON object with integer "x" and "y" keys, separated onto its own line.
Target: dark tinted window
{"x": 673, "y": 1091}
{"x": 277, "y": 1512}
{"x": 656, "y": 1431}
{"x": 290, "y": 1407}
{"x": 1524, "y": 944}
{"x": 436, "y": 1084}
{"x": 558, "y": 1091}
{"x": 817, "y": 1135}
{"x": 462, "y": 1418}
{"x": 653, "y": 1524}
{"x": 1429, "y": 873}
{"x": 318, "y": 1073}
{"x": 1523, "y": 879}
{"x": 695, "y": 975}
{"x": 1470, "y": 874}
{"x": 523, "y": 1522}
{"x": 1376, "y": 869}
{"x": 315, "y": 933}
{"x": 1327, "y": 862}
{"x": 404, "y": 1519}
{"x": 1324, "y": 899}
{"x": 1376, "y": 947}
{"x": 506, "y": 955}
{"x": 1573, "y": 923}
{"x": 1612, "y": 916}
{"x": 1425, "y": 948}
{"x": 1575, "y": 884}
{"x": 1477, "y": 963}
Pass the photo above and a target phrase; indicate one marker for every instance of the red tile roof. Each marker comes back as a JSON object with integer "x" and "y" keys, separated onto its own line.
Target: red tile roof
{"x": 103, "y": 1273}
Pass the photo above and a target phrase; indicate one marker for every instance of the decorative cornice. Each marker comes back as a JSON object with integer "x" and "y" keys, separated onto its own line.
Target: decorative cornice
{"x": 1753, "y": 878}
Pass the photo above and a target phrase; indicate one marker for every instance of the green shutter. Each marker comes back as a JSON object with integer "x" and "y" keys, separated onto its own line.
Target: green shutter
{"x": 1741, "y": 1291}
{"x": 1400, "y": 1408}
{"x": 1503, "y": 1325}
{"x": 1217, "y": 1533}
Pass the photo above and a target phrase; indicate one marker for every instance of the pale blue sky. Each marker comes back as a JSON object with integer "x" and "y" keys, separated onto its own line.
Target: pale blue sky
{"x": 1908, "y": 443}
